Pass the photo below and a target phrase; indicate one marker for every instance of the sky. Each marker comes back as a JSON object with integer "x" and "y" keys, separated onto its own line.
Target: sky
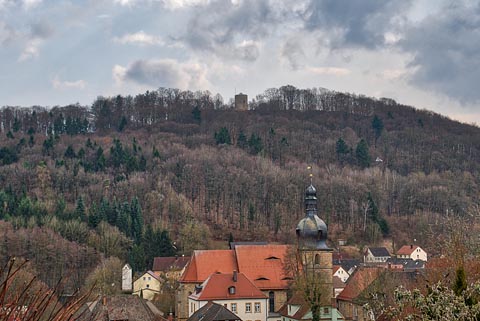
{"x": 423, "y": 53}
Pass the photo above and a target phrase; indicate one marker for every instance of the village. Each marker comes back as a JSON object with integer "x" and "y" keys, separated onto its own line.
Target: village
{"x": 254, "y": 281}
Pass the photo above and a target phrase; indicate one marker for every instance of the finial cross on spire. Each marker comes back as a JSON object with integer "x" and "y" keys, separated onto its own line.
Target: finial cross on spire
{"x": 310, "y": 174}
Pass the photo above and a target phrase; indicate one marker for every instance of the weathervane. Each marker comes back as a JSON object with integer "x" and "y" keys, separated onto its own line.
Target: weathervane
{"x": 310, "y": 175}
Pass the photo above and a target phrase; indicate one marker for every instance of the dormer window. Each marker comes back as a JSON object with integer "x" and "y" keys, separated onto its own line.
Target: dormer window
{"x": 231, "y": 290}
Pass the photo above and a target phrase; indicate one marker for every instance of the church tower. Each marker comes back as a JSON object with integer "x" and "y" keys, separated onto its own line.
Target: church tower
{"x": 313, "y": 253}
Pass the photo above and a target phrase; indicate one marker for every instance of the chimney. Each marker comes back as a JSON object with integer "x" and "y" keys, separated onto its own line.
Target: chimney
{"x": 411, "y": 246}
{"x": 104, "y": 299}
{"x": 235, "y": 275}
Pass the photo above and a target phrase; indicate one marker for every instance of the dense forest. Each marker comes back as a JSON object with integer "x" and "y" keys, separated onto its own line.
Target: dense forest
{"x": 170, "y": 171}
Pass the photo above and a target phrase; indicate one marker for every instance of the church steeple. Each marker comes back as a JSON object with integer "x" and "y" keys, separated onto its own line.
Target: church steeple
{"x": 311, "y": 230}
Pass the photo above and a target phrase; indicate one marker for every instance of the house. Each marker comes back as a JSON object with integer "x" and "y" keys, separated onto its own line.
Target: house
{"x": 235, "y": 292}
{"x": 340, "y": 272}
{"x": 376, "y": 255}
{"x": 347, "y": 264}
{"x": 122, "y": 307}
{"x": 127, "y": 278}
{"x": 338, "y": 286}
{"x": 395, "y": 263}
{"x": 296, "y": 309}
{"x": 348, "y": 302}
{"x": 170, "y": 266}
{"x": 413, "y": 252}
{"x": 213, "y": 312}
{"x": 262, "y": 264}
{"x": 147, "y": 285}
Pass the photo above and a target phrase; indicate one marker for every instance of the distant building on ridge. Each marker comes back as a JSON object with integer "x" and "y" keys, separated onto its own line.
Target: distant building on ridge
{"x": 241, "y": 102}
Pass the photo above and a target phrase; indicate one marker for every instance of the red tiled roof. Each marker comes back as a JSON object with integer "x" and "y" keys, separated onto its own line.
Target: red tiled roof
{"x": 358, "y": 282}
{"x": 407, "y": 249}
{"x": 203, "y": 263}
{"x": 167, "y": 263}
{"x": 217, "y": 287}
{"x": 335, "y": 268}
{"x": 338, "y": 283}
{"x": 263, "y": 264}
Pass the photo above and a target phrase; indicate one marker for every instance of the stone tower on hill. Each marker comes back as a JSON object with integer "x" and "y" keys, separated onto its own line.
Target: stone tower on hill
{"x": 241, "y": 102}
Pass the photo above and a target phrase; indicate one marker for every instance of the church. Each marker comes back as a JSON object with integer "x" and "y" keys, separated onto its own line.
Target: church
{"x": 265, "y": 266}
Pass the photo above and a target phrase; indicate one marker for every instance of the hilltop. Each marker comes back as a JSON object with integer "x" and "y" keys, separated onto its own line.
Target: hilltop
{"x": 127, "y": 172}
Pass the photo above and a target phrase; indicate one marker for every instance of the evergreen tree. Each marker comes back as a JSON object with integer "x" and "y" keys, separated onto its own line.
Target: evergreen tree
{"x": 377, "y": 125}
{"x": 165, "y": 244}
{"x": 122, "y": 124}
{"x": 255, "y": 144}
{"x": 94, "y": 217}
{"x": 362, "y": 154}
{"x": 197, "y": 114}
{"x": 136, "y": 219}
{"x": 342, "y": 150}
{"x": 223, "y": 137}
{"x": 136, "y": 258}
{"x": 242, "y": 140}
{"x": 80, "y": 212}
{"x": 123, "y": 221}
{"x": 16, "y": 125}
{"x": 10, "y": 135}
{"x": 70, "y": 152}
{"x": 31, "y": 141}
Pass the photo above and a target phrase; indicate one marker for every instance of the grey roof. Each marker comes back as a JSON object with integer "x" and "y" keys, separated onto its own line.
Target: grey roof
{"x": 408, "y": 264}
{"x": 347, "y": 264}
{"x": 213, "y": 312}
{"x": 379, "y": 251}
{"x": 123, "y": 307}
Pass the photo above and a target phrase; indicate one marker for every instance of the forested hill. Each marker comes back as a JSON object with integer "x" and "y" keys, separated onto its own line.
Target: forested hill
{"x": 169, "y": 165}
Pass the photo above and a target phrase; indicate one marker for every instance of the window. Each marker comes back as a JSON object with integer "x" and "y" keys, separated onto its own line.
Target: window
{"x": 325, "y": 310}
{"x": 231, "y": 290}
{"x": 317, "y": 259}
{"x": 257, "y": 307}
{"x": 148, "y": 285}
{"x": 149, "y": 278}
{"x": 271, "y": 301}
{"x": 144, "y": 278}
{"x": 233, "y": 307}
{"x": 225, "y": 305}
{"x": 248, "y": 308}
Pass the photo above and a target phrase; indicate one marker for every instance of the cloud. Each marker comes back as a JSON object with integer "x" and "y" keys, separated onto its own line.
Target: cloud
{"x": 59, "y": 84}
{"x": 232, "y": 29}
{"x": 444, "y": 49}
{"x": 29, "y": 4}
{"x": 138, "y": 38}
{"x": 353, "y": 23}
{"x": 168, "y": 4}
{"x": 31, "y": 50}
{"x": 332, "y": 71}
{"x": 7, "y": 33}
{"x": 293, "y": 52}
{"x": 41, "y": 29}
{"x": 39, "y": 32}
{"x": 163, "y": 73}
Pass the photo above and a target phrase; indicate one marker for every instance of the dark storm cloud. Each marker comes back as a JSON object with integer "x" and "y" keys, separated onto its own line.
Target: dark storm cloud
{"x": 222, "y": 27}
{"x": 41, "y": 29}
{"x": 156, "y": 73}
{"x": 445, "y": 49}
{"x": 353, "y": 23}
